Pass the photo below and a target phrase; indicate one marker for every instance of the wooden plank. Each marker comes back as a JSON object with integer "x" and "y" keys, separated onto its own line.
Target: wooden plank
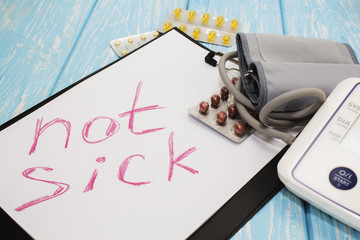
{"x": 338, "y": 21}
{"x": 322, "y": 226}
{"x": 36, "y": 38}
{"x": 112, "y": 20}
{"x": 284, "y": 216}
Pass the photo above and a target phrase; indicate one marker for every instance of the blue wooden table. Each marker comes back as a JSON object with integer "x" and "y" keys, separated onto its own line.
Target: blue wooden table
{"x": 47, "y": 45}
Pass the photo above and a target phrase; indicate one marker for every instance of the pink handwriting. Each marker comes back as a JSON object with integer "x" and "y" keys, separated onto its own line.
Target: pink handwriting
{"x": 90, "y": 185}
{"x": 111, "y": 130}
{"x": 136, "y": 110}
{"x": 179, "y": 158}
{"x": 100, "y": 159}
{"x": 121, "y": 174}
{"x": 62, "y": 188}
{"x": 39, "y": 130}
{"x": 123, "y": 168}
{"x": 113, "y": 127}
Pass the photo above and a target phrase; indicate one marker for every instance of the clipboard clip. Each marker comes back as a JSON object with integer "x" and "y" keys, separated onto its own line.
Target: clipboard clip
{"x": 209, "y": 59}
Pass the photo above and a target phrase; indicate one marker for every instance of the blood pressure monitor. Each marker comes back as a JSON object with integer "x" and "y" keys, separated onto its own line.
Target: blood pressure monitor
{"x": 322, "y": 166}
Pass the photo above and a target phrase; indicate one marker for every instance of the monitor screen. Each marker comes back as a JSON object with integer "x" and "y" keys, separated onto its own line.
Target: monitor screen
{"x": 351, "y": 140}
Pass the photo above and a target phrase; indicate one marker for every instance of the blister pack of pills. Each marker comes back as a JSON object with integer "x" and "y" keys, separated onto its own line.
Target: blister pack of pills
{"x": 202, "y": 27}
{"x": 220, "y": 113}
{"x": 128, "y": 44}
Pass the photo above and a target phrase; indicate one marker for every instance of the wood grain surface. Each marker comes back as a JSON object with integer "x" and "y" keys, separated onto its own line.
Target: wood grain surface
{"x": 48, "y": 45}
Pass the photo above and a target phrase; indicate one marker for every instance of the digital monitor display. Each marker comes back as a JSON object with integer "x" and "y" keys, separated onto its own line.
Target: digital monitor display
{"x": 351, "y": 141}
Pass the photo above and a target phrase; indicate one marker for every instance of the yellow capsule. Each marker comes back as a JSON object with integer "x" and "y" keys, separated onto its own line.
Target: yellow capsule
{"x": 167, "y": 26}
{"x": 211, "y": 36}
{"x": 143, "y": 37}
{"x": 117, "y": 43}
{"x": 124, "y": 52}
{"x": 234, "y": 23}
{"x": 156, "y": 34}
{"x": 177, "y": 12}
{"x": 130, "y": 40}
{"x": 191, "y": 15}
{"x": 205, "y": 17}
{"x": 226, "y": 39}
{"x": 196, "y": 33}
{"x": 183, "y": 27}
{"x": 220, "y": 21}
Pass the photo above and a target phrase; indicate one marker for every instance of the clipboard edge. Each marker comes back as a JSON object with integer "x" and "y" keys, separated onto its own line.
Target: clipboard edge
{"x": 207, "y": 227}
{"x": 233, "y": 215}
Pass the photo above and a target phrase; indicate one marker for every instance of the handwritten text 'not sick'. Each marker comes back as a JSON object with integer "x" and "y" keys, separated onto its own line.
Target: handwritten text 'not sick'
{"x": 112, "y": 128}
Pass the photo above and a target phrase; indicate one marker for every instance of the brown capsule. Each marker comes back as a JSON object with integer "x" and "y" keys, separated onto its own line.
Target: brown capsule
{"x": 203, "y": 107}
{"x": 232, "y": 111}
{"x": 224, "y": 93}
{"x": 215, "y": 100}
{"x": 221, "y": 117}
{"x": 234, "y": 80}
{"x": 239, "y": 128}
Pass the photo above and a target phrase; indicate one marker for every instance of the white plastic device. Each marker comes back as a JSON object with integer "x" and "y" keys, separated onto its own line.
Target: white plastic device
{"x": 322, "y": 166}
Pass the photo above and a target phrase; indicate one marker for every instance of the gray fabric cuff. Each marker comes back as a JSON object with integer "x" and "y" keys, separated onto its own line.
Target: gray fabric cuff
{"x": 283, "y": 63}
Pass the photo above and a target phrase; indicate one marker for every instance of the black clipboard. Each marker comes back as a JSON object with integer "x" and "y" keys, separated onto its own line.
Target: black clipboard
{"x": 222, "y": 224}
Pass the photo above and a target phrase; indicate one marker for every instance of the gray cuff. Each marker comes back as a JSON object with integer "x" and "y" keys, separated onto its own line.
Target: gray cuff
{"x": 280, "y": 63}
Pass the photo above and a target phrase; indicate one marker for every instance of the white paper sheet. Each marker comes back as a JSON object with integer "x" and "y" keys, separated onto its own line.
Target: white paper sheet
{"x": 118, "y": 157}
